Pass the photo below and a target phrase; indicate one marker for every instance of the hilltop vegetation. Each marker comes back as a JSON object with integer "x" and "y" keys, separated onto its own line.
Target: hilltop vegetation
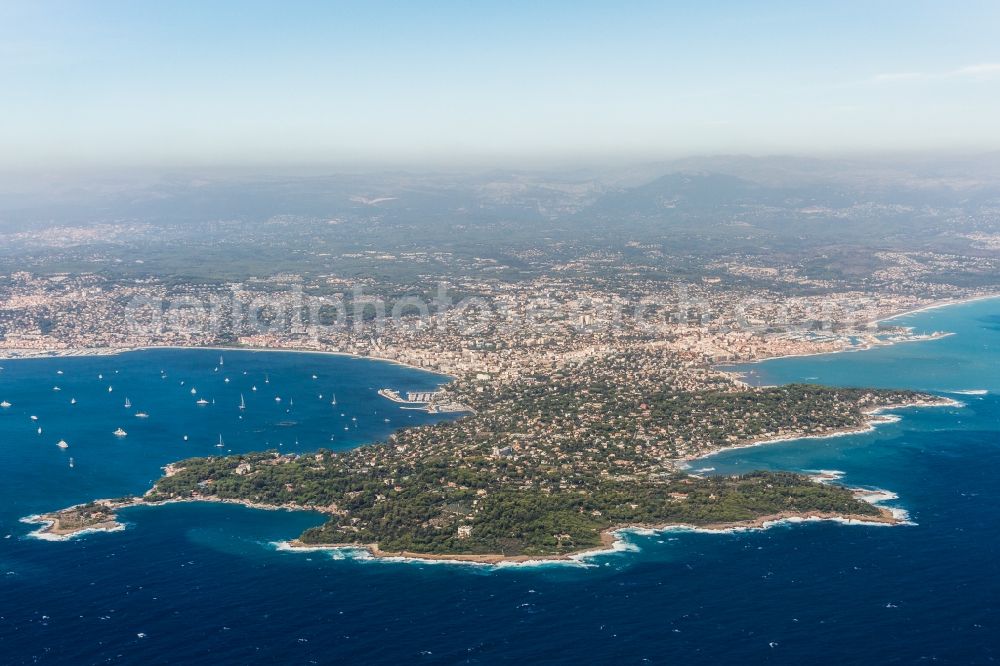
{"x": 530, "y": 476}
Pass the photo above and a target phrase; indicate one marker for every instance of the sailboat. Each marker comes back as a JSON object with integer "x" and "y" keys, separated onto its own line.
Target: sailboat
{"x": 267, "y": 380}
{"x": 128, "y": 404}
{"x": 194, "y": 391}
{"x": 221, "y": 361}
{"x": 201, "y": 401}
{"x": 334, "y": 401}
{"x": 253, "y": 388}
{"x": 220, "y": 444}
{"x": 62, "y": 444}
{"x": 72, "y": 401}
{"x": 110, "y": 389}
{"x": 71, "y": 462}
{"x": 243, "y": 403}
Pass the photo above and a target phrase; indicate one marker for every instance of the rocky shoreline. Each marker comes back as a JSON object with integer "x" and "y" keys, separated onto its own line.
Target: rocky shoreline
{"x": 875, "y": 416}
{"x": 54, "y": 528}
{"x": 610, "y": 538}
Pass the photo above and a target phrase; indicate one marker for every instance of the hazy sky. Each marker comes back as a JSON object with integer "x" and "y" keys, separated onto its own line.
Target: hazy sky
{"x": 212, "y": 82}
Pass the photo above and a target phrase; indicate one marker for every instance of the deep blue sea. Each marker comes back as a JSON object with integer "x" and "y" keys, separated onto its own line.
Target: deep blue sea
{"x": 203, "y": 583}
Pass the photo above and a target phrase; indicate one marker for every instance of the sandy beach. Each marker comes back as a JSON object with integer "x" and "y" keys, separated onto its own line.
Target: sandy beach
{"x": 53, "y": 529}
{"x": 937, "y": 304}
{"x": 5, "y": 355}
{"x": 864, "y": 347}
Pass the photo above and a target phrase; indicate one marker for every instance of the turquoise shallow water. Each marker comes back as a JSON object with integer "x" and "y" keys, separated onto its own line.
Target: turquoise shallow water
{"x": 205, "y": 584}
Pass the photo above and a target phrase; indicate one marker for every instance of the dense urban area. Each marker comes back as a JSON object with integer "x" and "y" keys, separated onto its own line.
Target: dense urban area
{"x": 586, "y": 326}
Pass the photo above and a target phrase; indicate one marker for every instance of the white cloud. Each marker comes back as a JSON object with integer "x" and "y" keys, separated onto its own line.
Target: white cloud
{"x": 979, "y": 71}
{"x": 983, "y": 69}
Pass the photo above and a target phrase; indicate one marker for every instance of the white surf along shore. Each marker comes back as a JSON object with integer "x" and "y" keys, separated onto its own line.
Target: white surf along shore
{"x": 45, "y": 524}
{"x": 876, "y": 418}
{"x": 617, "y": 541}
